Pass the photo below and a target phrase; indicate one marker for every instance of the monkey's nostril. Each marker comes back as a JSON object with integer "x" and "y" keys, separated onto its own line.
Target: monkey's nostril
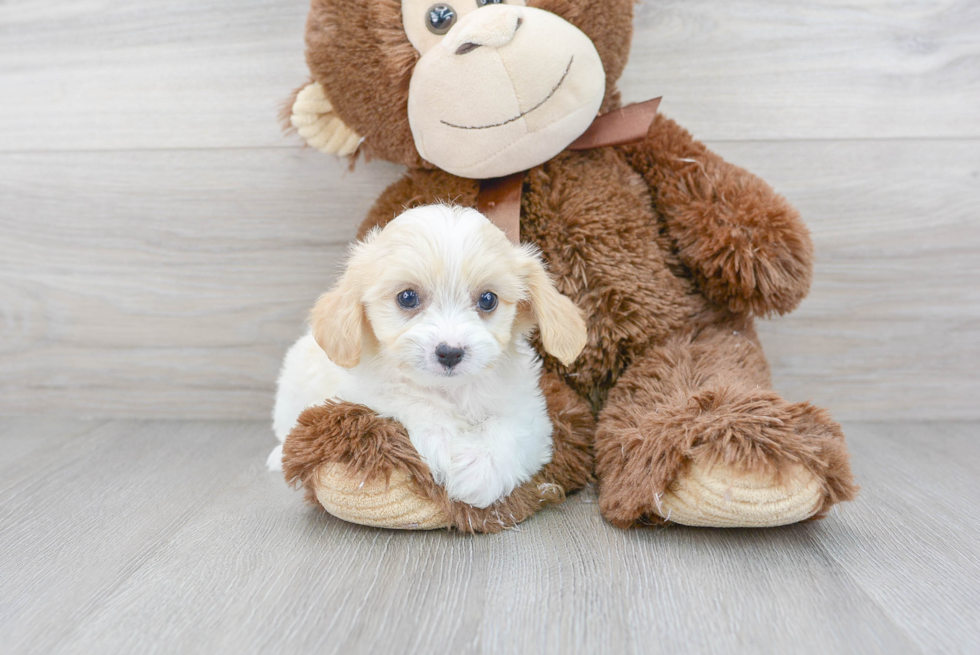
{"x": 467, "y": 47}
{"x": 449, "y": 356}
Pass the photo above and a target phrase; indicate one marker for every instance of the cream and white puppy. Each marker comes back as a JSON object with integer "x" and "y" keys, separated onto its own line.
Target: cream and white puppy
{"x": 428, "y": 326}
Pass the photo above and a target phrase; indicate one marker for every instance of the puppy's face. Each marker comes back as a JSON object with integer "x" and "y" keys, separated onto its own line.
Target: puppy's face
{"x": 441, "y": 295}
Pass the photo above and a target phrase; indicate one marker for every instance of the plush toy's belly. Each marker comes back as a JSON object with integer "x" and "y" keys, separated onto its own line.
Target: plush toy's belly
{"x": 592, "y": 216}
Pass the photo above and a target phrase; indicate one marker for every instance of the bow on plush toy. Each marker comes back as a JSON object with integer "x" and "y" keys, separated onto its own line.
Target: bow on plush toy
{"x": 669, "y": 251}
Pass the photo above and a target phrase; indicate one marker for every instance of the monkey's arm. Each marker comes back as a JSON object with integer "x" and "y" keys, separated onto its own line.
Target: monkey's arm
{"x": 363, "y": 468}
{"x": 744, "y": 243}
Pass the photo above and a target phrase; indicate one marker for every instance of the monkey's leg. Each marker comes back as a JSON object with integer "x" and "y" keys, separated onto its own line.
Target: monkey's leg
{"x": 362, "y": 468}
{"x": 693, "y": 434}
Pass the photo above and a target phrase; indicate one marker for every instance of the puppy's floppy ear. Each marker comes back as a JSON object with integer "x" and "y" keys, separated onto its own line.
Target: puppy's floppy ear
{"x": 312, "y": 115}
{"x": 560, "y": 321}
{"x": 337, "y": 323}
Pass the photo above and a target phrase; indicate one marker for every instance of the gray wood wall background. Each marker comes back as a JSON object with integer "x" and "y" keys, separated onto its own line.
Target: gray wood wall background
{"x": 161, "y": 241}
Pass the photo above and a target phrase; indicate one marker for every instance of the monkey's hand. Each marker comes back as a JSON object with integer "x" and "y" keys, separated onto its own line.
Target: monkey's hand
{"x": 745, "y": 244}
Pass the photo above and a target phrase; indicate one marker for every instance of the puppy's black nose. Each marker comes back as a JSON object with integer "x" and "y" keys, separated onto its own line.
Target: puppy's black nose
{"x": 449, "y": 356}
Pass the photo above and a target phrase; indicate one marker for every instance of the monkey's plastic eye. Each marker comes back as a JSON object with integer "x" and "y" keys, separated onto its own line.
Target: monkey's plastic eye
{"x": 487, "y": 301}
{"x": 440, "y": 18}
{"x": 484, "y": 3}
{"x": 408, "y": 299}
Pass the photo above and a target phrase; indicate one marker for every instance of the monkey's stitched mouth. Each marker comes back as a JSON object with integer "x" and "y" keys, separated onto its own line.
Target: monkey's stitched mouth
{"x": 523, "y": 113}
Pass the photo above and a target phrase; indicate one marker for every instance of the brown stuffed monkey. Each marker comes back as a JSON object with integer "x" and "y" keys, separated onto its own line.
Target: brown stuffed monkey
{"x": 669, "y": 250}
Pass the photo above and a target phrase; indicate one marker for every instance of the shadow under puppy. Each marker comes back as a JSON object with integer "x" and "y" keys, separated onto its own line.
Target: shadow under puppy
{"x": 428, "y": 326}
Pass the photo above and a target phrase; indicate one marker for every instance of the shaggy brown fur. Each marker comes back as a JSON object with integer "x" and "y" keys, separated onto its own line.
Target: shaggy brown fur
{"x": 704, "y": 397}
{"x": 372, "y": 447}
{"x": 748, "y": 249}
{"x": 667, "y": 248}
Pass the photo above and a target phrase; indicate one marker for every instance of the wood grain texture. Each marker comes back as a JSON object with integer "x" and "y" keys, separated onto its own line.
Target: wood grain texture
{"x": 24, "y": 441}
{"x": 821, "y": 69}
{"x": 95, "y": 75}
{"x": 165, "y": 283}
{"x": 915, "y": 524}
{"x": 112, "y": 75}
{"x": 79, "y": 518}
{"x": 170, "y": 537}
{"x": 891, "y": 328}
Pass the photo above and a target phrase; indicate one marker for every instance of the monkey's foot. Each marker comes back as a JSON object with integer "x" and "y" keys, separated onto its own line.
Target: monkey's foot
{"x": 729, "y": 458}
{"x": 363, "y": 468}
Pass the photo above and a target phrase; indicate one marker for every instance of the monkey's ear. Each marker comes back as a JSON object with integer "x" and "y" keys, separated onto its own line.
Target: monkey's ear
{"x": 313, "y": 117}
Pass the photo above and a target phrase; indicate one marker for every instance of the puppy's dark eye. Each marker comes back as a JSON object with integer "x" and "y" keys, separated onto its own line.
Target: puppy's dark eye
{"x": 487, "y": 301}
{"x": 408, "y": 299}
{"x": 440, "y": 18}
{"x": 484, "y": 3}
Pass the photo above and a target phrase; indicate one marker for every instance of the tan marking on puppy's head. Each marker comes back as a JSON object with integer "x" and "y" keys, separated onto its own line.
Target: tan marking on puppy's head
{"x": 337, "y": 320}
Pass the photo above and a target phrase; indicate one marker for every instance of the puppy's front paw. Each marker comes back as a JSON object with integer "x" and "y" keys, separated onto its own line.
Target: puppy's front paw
{"x": 475, "y": 480}
{"x": 274, "y": 461}
{"x": 433, "y": 446}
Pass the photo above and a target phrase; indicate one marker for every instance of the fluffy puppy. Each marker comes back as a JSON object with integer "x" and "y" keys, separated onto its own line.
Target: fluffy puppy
{"x": 428, "y": 326}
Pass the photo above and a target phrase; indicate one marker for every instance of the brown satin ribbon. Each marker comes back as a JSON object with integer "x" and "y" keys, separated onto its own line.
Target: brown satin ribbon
{"x": 500, "y": 197}
{"x": 500, "y": 201}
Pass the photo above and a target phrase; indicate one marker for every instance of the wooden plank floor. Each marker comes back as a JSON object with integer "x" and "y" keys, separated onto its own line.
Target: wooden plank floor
{"x": 170, "y": 537}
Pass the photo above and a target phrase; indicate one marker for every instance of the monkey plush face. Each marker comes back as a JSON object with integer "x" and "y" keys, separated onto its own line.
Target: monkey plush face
{"x": 501, "y": 88}
{"x": 478, "y": 88}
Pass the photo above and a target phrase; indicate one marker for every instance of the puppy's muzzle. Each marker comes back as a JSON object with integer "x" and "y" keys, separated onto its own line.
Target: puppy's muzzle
{"x": 449, "y": 356}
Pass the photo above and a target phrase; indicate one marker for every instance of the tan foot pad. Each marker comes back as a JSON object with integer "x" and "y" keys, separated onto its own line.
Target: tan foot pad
{"x": 314, "y": 119}
{"x": 394, "y": 505}
{"x": 723, "y": 497}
